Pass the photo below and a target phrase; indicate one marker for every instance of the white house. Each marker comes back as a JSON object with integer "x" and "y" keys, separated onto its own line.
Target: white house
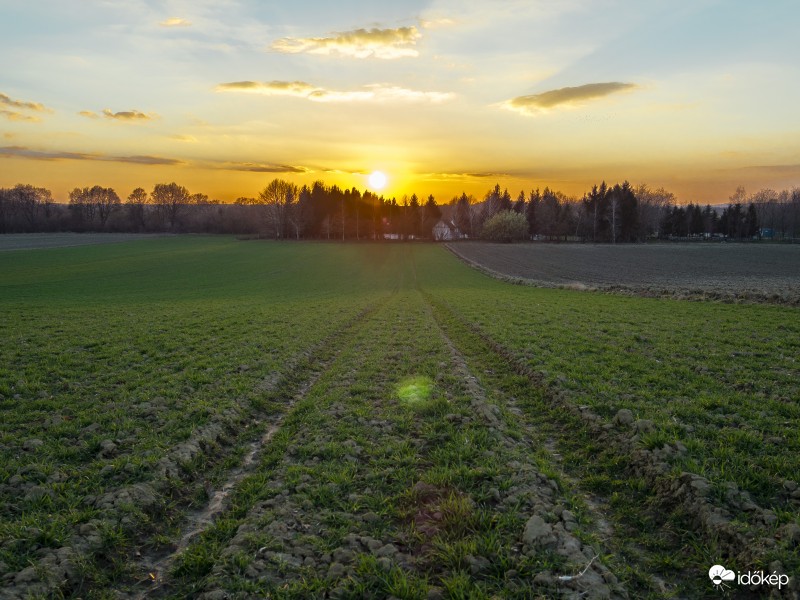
{"x": 445, "y": 231}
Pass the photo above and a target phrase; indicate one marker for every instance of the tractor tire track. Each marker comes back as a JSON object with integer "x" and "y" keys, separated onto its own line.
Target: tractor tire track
{"x": 595, "y": 580}
{"x": 300, "y": 375}
{"x": 295, "y": 530}
{"x": 59, "y": 572}
{"x": 687, "y": 494}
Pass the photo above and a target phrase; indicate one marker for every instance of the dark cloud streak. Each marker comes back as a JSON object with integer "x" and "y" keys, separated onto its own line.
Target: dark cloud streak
{"x": 22, "y": 152}
{"x": 125, "y": 115}
{"x": 260, "y": 168}
{"x": 252, "y": 167}
{"x": 568, "y": 96}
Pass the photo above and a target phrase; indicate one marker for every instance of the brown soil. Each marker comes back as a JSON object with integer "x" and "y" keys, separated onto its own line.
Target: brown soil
{"x": 749, "y": 272}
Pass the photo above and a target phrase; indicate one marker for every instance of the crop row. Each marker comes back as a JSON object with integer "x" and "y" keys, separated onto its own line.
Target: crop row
{"x": 396, "y": 475}
{"x": 118, "y": 413}
{"x": 704, "y": 391}
{"x": 189, "y": 416}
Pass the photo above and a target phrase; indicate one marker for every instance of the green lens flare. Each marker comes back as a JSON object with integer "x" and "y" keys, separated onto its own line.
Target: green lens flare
{"x": 415, "y": 390}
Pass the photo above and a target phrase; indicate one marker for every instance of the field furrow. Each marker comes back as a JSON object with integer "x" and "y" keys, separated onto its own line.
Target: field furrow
{"x": 107, "y": 452}
{"x": 148, "y": 569}
{"x": 203, "y": 417}
{"x": 617, "y": 460}
{"x": 404, "y": 480}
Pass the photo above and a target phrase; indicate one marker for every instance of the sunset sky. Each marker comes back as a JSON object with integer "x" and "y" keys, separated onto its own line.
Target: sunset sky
{"x": 442, "y": 96}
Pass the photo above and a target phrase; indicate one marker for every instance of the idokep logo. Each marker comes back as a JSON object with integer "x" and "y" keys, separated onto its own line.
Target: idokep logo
{"x": 719, "y": 576}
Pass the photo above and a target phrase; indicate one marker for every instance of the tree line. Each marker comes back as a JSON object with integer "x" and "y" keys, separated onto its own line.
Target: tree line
{"x": 620, "y": 213}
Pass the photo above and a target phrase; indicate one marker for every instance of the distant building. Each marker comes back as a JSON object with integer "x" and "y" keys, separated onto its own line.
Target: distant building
{"x": 445, "y": 231}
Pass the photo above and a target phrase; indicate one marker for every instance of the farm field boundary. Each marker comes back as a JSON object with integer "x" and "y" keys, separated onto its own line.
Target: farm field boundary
{"x": 753, "y": 273}
{"x": 33, "y": 241}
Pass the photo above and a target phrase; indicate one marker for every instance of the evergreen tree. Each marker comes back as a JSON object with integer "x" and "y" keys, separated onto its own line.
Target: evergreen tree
{"x": 628, "y": 214}
{"x": 751, "y": 227}
{"x": 414, "y": 217}
{"x": 549, "y": 214}
{"x": 505, "y": 201}
{"x": 464, "y": 215}
{"x": 431, "y": 213}
{"x": 596, "y": 205}
{"x": 519, "y": 205}
{"x": 491, "y": 203}
{"x": 534, "y": 199}
{"x": 709, "y": 220}
{"x": 695, "y": 216}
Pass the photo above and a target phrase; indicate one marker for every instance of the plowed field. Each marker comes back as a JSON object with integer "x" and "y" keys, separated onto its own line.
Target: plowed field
{"x": 731, "y": 272}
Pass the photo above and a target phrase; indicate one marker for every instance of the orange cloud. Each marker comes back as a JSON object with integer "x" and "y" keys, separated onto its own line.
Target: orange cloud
{"x": 360, "y": 43}
{"x": 564, "y": 97}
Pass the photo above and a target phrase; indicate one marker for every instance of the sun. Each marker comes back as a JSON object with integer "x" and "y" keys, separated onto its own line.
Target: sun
{"x": 377, "y": 180}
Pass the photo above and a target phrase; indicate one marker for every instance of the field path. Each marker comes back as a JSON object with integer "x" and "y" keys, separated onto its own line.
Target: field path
{"x": 395, "y": 475}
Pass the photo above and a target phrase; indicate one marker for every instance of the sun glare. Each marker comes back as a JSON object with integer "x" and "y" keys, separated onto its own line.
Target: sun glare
{"x": 377, "y": 180}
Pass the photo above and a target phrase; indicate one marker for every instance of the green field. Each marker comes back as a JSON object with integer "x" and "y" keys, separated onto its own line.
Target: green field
{"x": 193, "y": 416}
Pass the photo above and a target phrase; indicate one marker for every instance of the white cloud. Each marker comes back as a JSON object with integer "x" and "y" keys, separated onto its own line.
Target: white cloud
{"x": 377, "y": 92}
{"x": 22, "y": 104}
{"x": 175, "y": 22}
{"x": 269, "y": 88}
{"x": 360, "y": 43}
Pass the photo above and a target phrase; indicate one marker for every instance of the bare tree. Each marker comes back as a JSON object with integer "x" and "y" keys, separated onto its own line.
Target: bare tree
{"x": 30, "y": 203}
{"x": 82, "y": 207}
{"x": 278, "y": 198}
{"x": 135, "y": 204}
{"x": 7, "y": 209}
{"x": 300, "y": 213}
{"x": 739, "y": 196}
{"x": 106, "y": 200}
{"x": 654, "y": 206}
{"x": 169, "y": 200}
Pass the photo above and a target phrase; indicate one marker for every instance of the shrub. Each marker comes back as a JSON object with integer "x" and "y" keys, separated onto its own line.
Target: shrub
{"x": 506, "y": 226}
